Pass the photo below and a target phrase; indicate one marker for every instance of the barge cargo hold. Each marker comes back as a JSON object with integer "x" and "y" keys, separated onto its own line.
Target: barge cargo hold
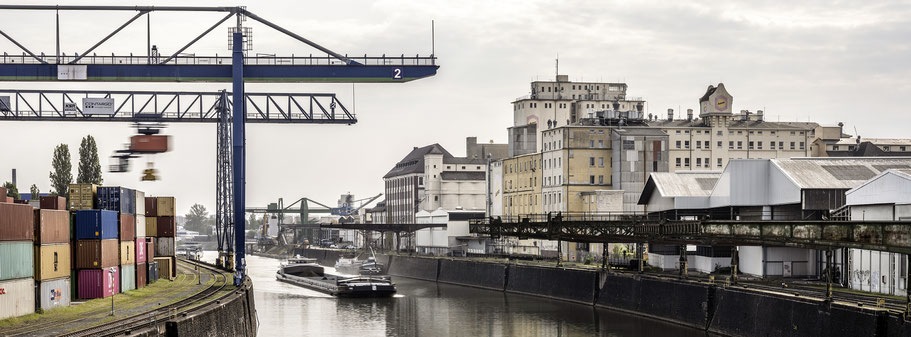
{"x": 306, "y": 273}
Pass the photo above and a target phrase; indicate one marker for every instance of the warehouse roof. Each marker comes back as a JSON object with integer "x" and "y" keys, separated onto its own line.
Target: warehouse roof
{"x": 680, "y": 184}
{"x": 414, "y": 161}
{"x": 840, "y": 173}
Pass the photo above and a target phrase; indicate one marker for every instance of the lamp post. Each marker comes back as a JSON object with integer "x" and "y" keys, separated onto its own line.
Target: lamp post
{"x": 111, "y": 272}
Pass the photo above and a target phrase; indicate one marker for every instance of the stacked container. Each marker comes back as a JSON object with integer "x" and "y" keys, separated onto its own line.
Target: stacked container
{"x": 97, "y": 253}
{"x": 161, "y": 223}
{"x": 17, "y": 260}
{"x": 82, "y": 196}
{"x": 140, "y": 241}
{"x": 52, "y": 254}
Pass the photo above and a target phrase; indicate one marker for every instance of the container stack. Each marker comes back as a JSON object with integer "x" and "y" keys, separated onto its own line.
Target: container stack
{"x": 17, "y": 259}
{"x": 82, "y": 196}
{"x": 97, "y": 253}
{"x": 53, "y": 261}
{"x": 140, "y": 241}
{"x": 123, "y": 200}
{"x": 161, "y": 225}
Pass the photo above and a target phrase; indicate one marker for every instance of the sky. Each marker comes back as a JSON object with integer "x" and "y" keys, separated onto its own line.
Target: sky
{"x": 828, "y": 62}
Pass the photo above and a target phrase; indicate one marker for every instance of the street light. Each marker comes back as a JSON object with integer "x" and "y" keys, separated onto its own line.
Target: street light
{"x": 111, "y": 272}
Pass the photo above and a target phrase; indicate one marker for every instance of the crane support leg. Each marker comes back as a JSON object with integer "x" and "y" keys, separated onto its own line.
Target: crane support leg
{"x": 240, "y": 116}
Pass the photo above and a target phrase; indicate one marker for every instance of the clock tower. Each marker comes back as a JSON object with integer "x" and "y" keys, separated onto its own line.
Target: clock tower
{"x": 715, "y": 105}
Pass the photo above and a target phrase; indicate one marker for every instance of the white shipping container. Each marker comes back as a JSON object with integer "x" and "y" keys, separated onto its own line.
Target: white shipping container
{"x": 165, "y": 247}
{"x": 140, "y": 222}
{"x": 17, "y": 297}
{"x": 54, "y": 293}
{"x": 140, "y": 204}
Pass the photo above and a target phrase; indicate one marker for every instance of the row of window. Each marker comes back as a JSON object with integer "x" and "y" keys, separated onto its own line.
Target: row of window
{"x": 699, "y": 161}
{"x": 731, "y": 132}
{"x": 757, "y": 145}
{"x": 550, "y": 162}
{"x": 553, "y": 145}
{"x": 591, "y": 161}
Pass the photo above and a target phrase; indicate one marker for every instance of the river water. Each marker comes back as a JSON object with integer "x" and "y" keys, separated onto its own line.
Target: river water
{"x": 424, "y": 308}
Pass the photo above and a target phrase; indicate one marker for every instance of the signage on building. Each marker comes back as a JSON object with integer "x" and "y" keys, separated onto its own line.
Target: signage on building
{"x": 98, "y": 106}
{"x": 69, "y": 108}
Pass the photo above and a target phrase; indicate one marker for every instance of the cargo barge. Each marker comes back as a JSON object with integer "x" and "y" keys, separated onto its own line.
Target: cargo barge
{"x": 306, "y": 273}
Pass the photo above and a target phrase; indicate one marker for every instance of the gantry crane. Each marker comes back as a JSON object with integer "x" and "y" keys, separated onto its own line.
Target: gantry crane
{"x": 305, "y": 209}
{"x": 225, "y": 106}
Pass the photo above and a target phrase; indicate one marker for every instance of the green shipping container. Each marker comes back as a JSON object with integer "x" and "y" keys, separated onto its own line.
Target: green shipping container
{"x": 127, "y": 277}
{"x": 17, "y": 259}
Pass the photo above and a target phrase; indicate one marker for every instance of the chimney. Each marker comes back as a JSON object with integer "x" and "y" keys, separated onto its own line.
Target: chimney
{"x": 616, "y": 106}
{"x": 670, "y": 114}
{"x": 689, "y": 114}
{"x": 639, "y": 107}
{"x": 759, "y": 115}
{"x": 744, "y": 115}
{"x": 14, "y": 177}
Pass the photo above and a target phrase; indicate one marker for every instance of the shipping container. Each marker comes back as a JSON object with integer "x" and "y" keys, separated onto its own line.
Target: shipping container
{"x": 17, "y": 260}
{"x": 151, "y": 206}
{"x": 22, "y": 202}
{"x": 140, "y": 250}
{"x": 127, "y": 227}
{"x": 98, "y": 283}
{"x": 152, "y": 274}
{"x": 53, "y": 202}
{"x": 73, "y": 282}
{"x": 34, "y": 203}
{"x": 151, "y": 226}
{"x": 96, "y": 224}
{"x": 166, "y": 267}
{"x": 149, "y": 143}
{"x": 140, "y": 226}
{"x": 52, "y": 261}
{"x": 150, "y": 249}
{"x": 8, "y": 200}
{"x": 128, "y": 252}
{"x": 17, "y": 222}
{"x": 54, "y": 293}
{"x": 139, "y": 199}
{"x": 165, "y": 226}
{"x": 97, "y": 253}
{"x": 115, "y": 198}
{"x": 52, "y": 226}
{"x": 2, "y": 191}
{"x": 142, "y": 270}
{"x": 165, "y": 247}
{"x": 18, "y": 297}
{"x": 166, "y": 207}
{"x": 82, "y": 196}
{"x": 127, "y": 277}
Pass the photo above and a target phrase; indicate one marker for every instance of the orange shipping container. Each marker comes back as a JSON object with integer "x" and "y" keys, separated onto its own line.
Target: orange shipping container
{"x": 127, "y": 227}
{"x": 17, "y": 222}
{"x": 52, "y": 202}
{"x": 128, "y": 252}
{"x": 149, "y": 143}
{"x": 52, "y": 226}
{"x": 52, "y": 261}
{"x": 92, "y": 254}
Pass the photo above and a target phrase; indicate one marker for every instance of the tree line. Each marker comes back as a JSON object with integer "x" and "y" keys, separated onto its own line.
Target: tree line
{"x": 61, "y": 175}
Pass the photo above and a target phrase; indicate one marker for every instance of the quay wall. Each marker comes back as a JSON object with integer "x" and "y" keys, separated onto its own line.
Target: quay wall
{"x": 729, "y": 311}
{"x": 232, "y": 316}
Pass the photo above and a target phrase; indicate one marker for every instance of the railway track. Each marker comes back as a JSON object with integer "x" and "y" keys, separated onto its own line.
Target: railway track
{"x": 152, "y": 318}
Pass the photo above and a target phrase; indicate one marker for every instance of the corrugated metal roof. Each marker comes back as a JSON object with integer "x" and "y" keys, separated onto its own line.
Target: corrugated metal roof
{"x": 837, "y": 173}
{"x": 686, "y": 183}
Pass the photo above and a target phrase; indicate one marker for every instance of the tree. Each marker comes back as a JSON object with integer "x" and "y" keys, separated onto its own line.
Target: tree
{"x": 11, "y": 190}
{"x": 196, "y": 219}
{"x": 253, "y": 223}
{"x": 62, "y": 175}
{"x": 35, "y": 192}
{"x": 89, "y": 165}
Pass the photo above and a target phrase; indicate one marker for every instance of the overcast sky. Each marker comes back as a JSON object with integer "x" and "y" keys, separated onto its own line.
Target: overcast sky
{"x": 826, "y": 62}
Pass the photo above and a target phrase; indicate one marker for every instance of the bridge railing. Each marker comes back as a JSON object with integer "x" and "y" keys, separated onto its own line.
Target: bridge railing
{"x": 260, "y": 59}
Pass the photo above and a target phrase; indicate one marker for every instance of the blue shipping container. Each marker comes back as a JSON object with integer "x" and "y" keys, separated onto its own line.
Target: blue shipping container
{"x": 114, "y": 198}
{"x": 96, "y": 224}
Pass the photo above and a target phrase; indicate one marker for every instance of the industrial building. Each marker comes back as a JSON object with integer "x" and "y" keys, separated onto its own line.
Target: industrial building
{"x": 454, "y": 239}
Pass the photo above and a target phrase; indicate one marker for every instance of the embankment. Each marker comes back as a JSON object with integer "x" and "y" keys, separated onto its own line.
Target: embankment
{"x": 730, "y": 311}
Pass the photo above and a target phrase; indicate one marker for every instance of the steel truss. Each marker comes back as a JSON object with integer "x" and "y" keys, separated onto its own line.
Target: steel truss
{"x": 224, "y": 186}
{"x": 164, "y": 106}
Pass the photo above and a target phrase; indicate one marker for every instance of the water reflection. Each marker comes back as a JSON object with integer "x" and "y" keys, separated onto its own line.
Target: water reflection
{"x": 432, "y": 309}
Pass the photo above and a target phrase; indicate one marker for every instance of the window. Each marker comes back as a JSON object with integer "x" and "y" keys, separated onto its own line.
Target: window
{"x": 436, "y": 198}
{"x": 759, "y": 145}
{"x": 792, "y": 145}
{"x": 739, "y": 132}
{"x": 677, "y": 132}
{"x": 739, "y": 145}
{"x": 420, "y": 180}
{"x": 698, "y": 162}
{"x": 901, "y": 148}
{"x": 751, "y": 132}
{"x": 591, "y": 161}
{"x": 698, "y": 144}
{"x": 772, "y": 132}
{"x": 591, "y": 179}
{"x": 686, "y": 162}
{"x": 463, "y": 167}
{"x": 600, "y": 161}
{"x": 477, "y": 167}
{"x": 686, "y": 144}
{"x": 731, "y": 145}
{"x": 719, "y": 144}
{"x": 719, "y": 132}
{"x": 686, "y": 131}
{"x": 801, "y": 145}
{"x": 601, "y": 180}
{"x": 678, "y": 144}
{"x": 719, "y": 162}
{"x": 707, "y": 163}
{"x": 591, "y": 144}
{"x": 601, "y": 144}
{"x": 677, "y": 161}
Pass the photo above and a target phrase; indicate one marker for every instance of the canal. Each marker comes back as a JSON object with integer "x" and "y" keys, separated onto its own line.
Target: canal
{"x": 424, "y": 308}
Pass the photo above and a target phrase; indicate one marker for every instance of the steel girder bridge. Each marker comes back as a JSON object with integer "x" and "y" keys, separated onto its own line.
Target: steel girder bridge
{"x": 222, "y": 107}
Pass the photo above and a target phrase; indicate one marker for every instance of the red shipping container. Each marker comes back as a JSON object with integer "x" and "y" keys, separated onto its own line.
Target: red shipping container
{"x": 141, "y": 271}
{"x": 140, "y": 250}
{"x": 151, "y": 206}
{"x": 127, "y": 227}
{"x": 53, "y": 202}
{"x": 99, "y": 283}
{"x": 3, "y": 192}
{"x": 52, "y": 226}
{"x": 149, "y": 143}
{"x": 150, "y": 249}
{"x": 8, "y": 200}
{"x": 166, "y": 226}
{"x": 17, "y": 222}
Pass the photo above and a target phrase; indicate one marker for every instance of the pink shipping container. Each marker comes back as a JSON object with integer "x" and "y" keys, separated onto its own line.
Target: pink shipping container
{"x": 99, "y": 283}
{"x": 140, "y": 250}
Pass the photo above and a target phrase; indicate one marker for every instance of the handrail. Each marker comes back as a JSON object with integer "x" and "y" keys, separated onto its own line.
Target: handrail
{"x": 309, "y": 60}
